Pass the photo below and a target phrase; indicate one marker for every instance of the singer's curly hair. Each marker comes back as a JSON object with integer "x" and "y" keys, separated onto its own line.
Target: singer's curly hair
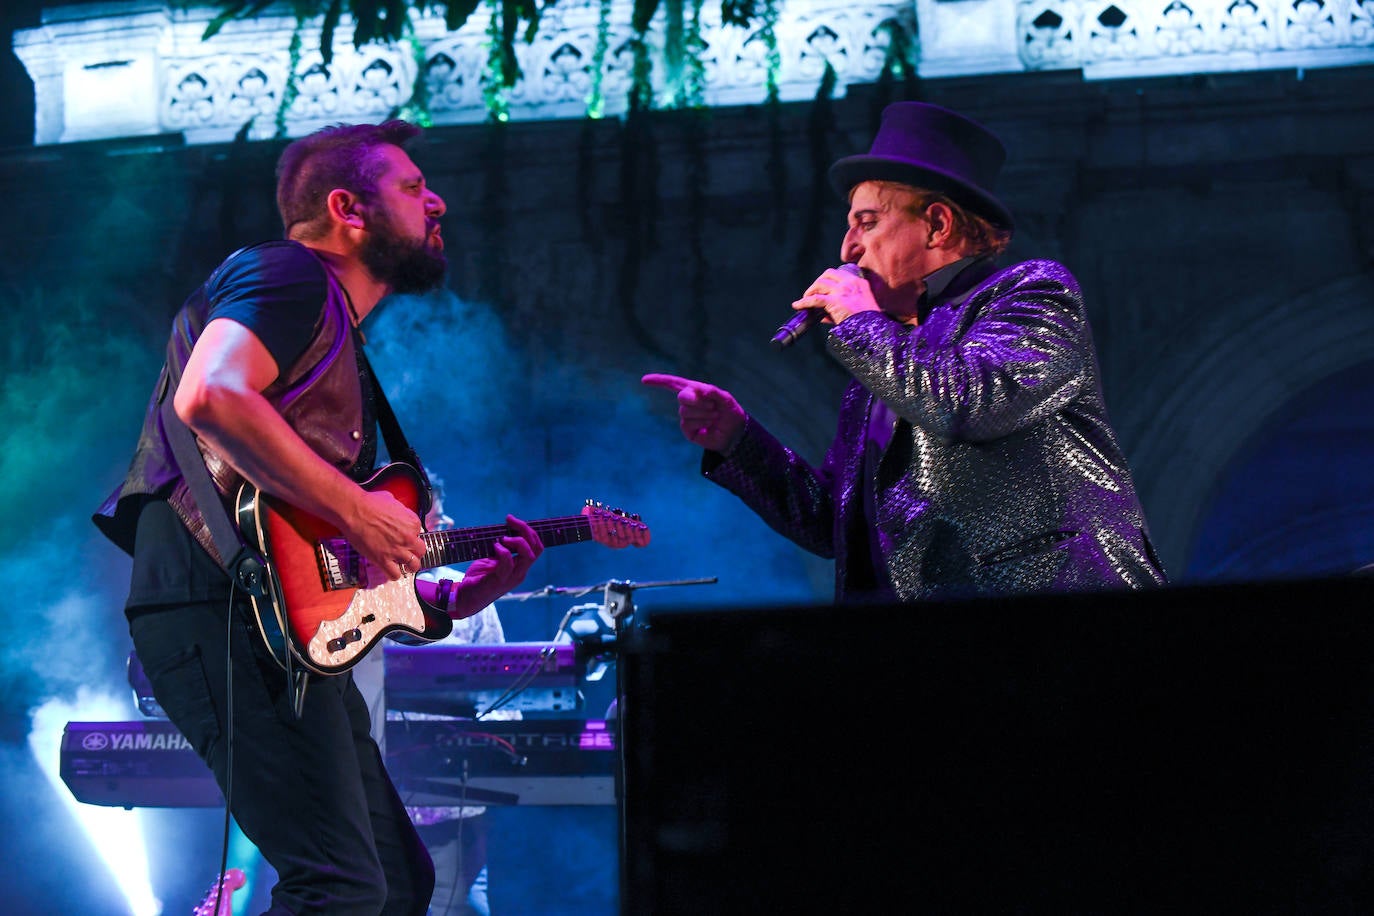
{"x": 978, "y": 234}
{"x": 341, "y": 156}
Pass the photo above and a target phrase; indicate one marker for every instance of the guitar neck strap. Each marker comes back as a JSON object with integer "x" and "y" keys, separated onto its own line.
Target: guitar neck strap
{"x": 397, "y": 448}
{"x": 242, "y": 562}
{"x": 396, "y": 445}
{"x": 246, "y": 566}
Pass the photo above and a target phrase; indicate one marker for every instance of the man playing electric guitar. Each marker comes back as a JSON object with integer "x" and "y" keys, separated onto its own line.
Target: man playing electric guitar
{"x": 264, "y": 366}
{"x": 325, "y": 607}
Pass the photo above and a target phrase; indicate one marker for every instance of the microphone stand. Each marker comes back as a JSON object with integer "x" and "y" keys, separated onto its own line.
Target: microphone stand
{"x": 618, "y": 593}
{"x": 577, "y": 591}
{"x": 617, "y": 600}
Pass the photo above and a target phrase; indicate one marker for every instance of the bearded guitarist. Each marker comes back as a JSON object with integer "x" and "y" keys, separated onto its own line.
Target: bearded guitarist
{"x": 264, "y": 366}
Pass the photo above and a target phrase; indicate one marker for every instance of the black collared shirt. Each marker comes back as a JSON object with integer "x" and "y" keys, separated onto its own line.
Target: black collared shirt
{"x": 951, "y": 282}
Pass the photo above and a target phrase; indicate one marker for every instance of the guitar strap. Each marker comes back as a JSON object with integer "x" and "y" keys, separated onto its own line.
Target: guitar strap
{"x": 397, "y": 448}
{"x": 245, "y": 565}
{"x": 242, "y": 562}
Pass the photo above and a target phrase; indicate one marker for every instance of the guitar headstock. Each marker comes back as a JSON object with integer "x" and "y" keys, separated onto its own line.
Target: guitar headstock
{"x": 615, "y": 527}
{"x": 217, "y": 898}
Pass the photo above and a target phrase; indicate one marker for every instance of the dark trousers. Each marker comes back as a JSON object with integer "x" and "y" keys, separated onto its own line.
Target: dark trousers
{"x": 311, "y": 793}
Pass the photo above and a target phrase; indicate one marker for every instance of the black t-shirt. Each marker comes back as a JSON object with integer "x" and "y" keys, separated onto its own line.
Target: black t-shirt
{"x": 277, "y": 290}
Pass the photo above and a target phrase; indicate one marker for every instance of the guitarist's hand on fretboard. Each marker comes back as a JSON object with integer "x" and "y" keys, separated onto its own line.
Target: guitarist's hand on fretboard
{"x": 488, "y": 578}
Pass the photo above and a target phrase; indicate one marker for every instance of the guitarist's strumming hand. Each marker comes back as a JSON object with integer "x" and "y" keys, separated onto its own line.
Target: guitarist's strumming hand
{"x": 488, "y": 578}
{"x": 387, "y": 533}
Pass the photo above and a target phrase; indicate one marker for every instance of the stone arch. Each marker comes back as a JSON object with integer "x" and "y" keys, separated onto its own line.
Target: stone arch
{"x": 1246, "y": 361}
{"x": 1298, "y": 499}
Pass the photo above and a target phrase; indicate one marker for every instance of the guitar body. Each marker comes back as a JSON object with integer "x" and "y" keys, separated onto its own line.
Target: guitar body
{"x": 316, "y": 607}
{"x": 319, "y": 613}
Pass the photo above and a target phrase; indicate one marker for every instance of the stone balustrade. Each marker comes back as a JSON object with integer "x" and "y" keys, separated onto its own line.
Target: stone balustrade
{"x": 120, "y": 69}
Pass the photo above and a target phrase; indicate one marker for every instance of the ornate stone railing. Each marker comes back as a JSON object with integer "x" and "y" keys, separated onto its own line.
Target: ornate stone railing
{"x": 1112, "y": 39}
{"x": 136, "y": 68}
{"x": 127, "y": 69}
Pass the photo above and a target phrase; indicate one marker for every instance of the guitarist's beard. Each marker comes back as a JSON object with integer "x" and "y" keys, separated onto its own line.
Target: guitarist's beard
{"x": 405, "y": 265}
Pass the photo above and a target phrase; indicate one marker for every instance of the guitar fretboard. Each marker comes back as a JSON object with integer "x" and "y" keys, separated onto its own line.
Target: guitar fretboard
{"x": 340, "y": 566}
{"x": 463, "y": 545}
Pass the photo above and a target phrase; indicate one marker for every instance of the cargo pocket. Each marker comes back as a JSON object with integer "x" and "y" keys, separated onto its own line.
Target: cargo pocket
{"x": 180, "y": 686}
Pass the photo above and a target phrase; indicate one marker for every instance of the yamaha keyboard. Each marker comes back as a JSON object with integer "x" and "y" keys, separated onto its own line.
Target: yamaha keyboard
{"x": 148, "y": 764}
{"x": 138, "y": 764}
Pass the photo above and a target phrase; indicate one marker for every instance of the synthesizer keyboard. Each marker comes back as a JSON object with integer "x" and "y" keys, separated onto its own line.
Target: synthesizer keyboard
{"x": 148, "y": 764}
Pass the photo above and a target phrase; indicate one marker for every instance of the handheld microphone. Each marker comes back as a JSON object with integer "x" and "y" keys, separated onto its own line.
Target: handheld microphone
{"x": 805, "y": 319}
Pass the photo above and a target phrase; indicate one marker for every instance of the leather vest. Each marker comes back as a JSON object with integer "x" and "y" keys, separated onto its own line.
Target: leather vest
{"x": 319, "y": 395}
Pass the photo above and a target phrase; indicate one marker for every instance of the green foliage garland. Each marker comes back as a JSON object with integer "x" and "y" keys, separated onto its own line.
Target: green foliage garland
{"x": 388, "y": 22}
{"x": 500, "y": 64}
{"x": 292, "y": 87}
{"x": 596, "y": 102}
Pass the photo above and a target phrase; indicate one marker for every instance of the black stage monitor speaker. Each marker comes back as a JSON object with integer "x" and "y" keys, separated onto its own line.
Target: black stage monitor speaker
{"x": 1179, "y": 750}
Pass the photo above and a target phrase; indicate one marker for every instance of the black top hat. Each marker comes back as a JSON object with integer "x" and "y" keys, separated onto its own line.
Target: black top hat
{"x": 931, "y": 147}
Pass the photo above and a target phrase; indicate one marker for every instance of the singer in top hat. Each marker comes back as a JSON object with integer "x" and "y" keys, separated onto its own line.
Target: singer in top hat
{"x": 973, "y": 453}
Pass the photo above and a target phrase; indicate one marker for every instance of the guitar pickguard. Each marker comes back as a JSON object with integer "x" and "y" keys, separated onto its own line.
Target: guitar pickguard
{"x": 370, "y": 613}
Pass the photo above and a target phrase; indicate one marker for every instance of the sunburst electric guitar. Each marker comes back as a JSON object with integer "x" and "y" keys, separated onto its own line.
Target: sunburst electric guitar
{"x": 317, "y": 610}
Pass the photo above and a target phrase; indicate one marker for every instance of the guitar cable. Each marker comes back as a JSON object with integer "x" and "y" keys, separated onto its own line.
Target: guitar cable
{"x": 456, "y": 886}
{"x": 228, "y": 744}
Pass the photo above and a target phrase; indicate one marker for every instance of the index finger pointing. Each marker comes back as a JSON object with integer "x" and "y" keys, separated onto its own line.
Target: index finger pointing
{"x": 671, "y": 382}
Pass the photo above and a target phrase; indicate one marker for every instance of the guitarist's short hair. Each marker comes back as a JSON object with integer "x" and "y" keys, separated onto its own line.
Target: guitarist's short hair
{"x": 339, "y": 156}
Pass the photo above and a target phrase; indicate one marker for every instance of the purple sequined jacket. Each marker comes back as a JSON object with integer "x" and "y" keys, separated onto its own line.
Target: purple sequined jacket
{"x": 1002, "y": 474}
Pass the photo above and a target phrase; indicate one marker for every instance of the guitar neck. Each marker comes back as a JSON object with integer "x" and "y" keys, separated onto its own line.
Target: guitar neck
{"x": 462, "y": 545}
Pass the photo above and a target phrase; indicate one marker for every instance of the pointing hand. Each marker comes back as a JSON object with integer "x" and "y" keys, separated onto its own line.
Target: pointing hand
{"x": 709, "y": 416}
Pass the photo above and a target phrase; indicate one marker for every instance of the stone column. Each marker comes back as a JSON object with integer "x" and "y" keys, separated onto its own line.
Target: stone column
{"x": 94, "y": 78}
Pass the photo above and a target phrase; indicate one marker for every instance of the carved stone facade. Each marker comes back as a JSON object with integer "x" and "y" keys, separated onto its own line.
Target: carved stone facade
{"x": 167, "y": 79}
{"x": 1140, "y": 37}
{"x": 141, "y": 67}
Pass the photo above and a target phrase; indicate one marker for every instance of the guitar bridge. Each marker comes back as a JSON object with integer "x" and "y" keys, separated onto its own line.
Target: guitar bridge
{"x": 338, "y": 564}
